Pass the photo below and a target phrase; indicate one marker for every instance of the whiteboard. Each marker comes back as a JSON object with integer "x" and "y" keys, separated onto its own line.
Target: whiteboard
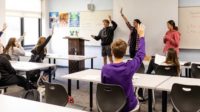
{"x": 91, "y": 24}
{"x": 154, "y": 14}
{"x": 189, "y": 26}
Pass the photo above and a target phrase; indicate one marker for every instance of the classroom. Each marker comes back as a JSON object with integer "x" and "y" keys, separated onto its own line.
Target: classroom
{"x": 99, "y": 55}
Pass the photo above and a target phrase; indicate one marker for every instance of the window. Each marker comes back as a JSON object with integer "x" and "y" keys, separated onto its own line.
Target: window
{"x": 24, "y": 16}
{"x": 31, "y": 29}
{"x": 13, "y": 29}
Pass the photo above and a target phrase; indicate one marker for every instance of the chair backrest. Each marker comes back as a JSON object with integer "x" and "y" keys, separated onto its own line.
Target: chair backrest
{"x": 55, "y": 94}
{"x": 141, "y": 69}
{"x": 166, "y": 70}
{"x": 110, "y": 98}
{"x": 195, "y": 71}
{"x": 185, "y": 98}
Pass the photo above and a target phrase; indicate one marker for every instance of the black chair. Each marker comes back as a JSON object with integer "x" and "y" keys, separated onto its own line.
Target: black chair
{"x": 141, "y": 69}
{"x": 185, "y": 98}
{"x": 166, "y": 70}
{"x": 56, "y": 94}
{"x": 110, "y": 98}
{"x": 195, "y": 71}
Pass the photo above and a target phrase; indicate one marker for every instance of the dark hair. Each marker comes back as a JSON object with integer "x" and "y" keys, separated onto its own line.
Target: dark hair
{"x": 171, "y": 22}
{"x": 137, "y": 21}
{"x": 119, "y": 48}
{"x": 172, "y": 58}
{"x": 106, "y": 20}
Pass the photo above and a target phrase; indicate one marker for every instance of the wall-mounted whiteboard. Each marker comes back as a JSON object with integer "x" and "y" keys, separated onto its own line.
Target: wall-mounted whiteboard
{"x": 153, "y": 13}
{"x": 189, "y": 26}
{"x": 91, "y": 24}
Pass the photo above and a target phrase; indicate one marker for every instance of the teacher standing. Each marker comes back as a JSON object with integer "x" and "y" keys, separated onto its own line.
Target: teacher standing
{"x": 172, "y": 37}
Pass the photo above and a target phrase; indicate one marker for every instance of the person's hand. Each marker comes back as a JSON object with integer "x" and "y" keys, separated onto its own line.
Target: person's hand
{"x": 140, "y": 31}
{"x": 121, "y": 12}
{"x": 4, "y": 27}
{"x": 109, "y": 17}
{"x": 92, "y": 36}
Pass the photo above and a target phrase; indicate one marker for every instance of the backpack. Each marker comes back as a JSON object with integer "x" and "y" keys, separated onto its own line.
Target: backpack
{"x": 32, "y": 94}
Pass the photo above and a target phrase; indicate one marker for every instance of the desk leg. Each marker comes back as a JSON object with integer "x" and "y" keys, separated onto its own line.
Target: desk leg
{"x": 54, "y": 74}
{"x": 50, "y": 74}
{"x": 77, "y": 84}
{"x": 92, "y": 63}
{"x": 91, "y": 95}
{"x": 186, "y": 72}
{"x": 49, "y": 60}
{"x": 69, "y": 87}
{"x": 150, "y": 100}
{"x": 164, "y": 101}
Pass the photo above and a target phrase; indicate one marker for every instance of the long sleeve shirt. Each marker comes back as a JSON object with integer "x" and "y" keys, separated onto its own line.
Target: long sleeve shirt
{"x": 40, "y": 50}
{"x": 6, "y": 69}
{"x": 16, "y": 52}
{"x": 133, "y": 39}
{"x": 172, "y": 40}
{"x": 107, "y": 34}
{"x": 122, "y": 74}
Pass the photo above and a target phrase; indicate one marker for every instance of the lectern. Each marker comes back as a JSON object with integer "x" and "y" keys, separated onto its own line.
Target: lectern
{"x": 76, "y": 46}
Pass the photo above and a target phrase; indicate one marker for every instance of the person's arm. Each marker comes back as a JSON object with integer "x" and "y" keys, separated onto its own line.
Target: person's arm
{"x": 125, "y": 19}
{"x": 41, "y": 47}
{"x": 4, "y": 28}
{"x": 114, "y": 24}
{"x": 140, "y": 54}
{"x": 98, "y": 37}
{"x": 19, "y": 51}
{"x": 174, "y": 41}
{"x": 8, "y": 66}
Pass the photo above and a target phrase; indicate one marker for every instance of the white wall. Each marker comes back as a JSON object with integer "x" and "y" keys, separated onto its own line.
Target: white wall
{"x": 71, "y": 5}
{"x": 60, "y": 46}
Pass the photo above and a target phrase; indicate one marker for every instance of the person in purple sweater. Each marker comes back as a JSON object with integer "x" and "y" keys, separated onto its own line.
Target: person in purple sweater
{"x": 121, "y": 73}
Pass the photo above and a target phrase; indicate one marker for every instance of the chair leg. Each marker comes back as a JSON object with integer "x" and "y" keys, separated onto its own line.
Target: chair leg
{"x": 154, "y": 100}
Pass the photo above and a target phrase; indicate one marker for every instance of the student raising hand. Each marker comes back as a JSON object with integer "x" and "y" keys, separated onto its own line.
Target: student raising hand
{"x": 140, "y": 30}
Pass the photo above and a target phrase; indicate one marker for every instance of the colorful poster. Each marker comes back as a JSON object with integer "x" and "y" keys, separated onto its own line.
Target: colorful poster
{"x": 63, "y": 17}
{"x": 74, "y": 19}
{"x": 53, "y": 19}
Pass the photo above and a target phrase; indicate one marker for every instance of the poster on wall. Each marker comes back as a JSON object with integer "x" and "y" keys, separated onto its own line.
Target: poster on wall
{"x": 53, "y": 19}
{"x": 63, "y": 19}
{"x": 74, "y": 20}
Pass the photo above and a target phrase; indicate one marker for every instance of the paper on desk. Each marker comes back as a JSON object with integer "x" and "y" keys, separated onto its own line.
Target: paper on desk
{"x": 159, "y": 59}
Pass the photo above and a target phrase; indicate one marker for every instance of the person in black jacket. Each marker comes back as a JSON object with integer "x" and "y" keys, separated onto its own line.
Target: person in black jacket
{"x": 38, "y": 55}
{"x": 106, "y": 36}
{"x": 8, "y": 74}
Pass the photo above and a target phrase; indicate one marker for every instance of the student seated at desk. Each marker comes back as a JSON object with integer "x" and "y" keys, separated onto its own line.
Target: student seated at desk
{"x": 121, "y": 73}
{"x": 14, "y": 49}
{"x": 8, "y": 75}
{"x": 38, "y": 55}
{"x": 171, "y": 59}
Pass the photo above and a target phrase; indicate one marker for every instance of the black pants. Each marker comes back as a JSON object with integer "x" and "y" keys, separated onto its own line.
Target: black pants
{"x": 14, "y": 79}
{"x": 152, "y": 66}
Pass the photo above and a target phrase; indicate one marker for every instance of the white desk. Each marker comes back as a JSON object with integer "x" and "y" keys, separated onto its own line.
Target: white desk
{"x": 29, "y": 66}
{"x": 13, "y": 104}
{"x": 167, "y": 86}
{"x": 94, "y": 76}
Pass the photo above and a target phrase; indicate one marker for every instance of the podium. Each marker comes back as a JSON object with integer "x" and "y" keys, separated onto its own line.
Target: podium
{"x": 76, "y": 46}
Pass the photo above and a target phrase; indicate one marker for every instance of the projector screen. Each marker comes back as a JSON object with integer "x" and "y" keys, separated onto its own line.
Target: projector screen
{"x": 154, "y": 14}
{"x": 189, "y": 26}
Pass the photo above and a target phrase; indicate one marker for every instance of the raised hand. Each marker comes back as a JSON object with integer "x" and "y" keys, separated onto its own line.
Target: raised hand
{"x": 140, "y": 30}
{"x": 109, "y": 17}
{"x": 121, "y": 12}
{"x": 4, "y": 27}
